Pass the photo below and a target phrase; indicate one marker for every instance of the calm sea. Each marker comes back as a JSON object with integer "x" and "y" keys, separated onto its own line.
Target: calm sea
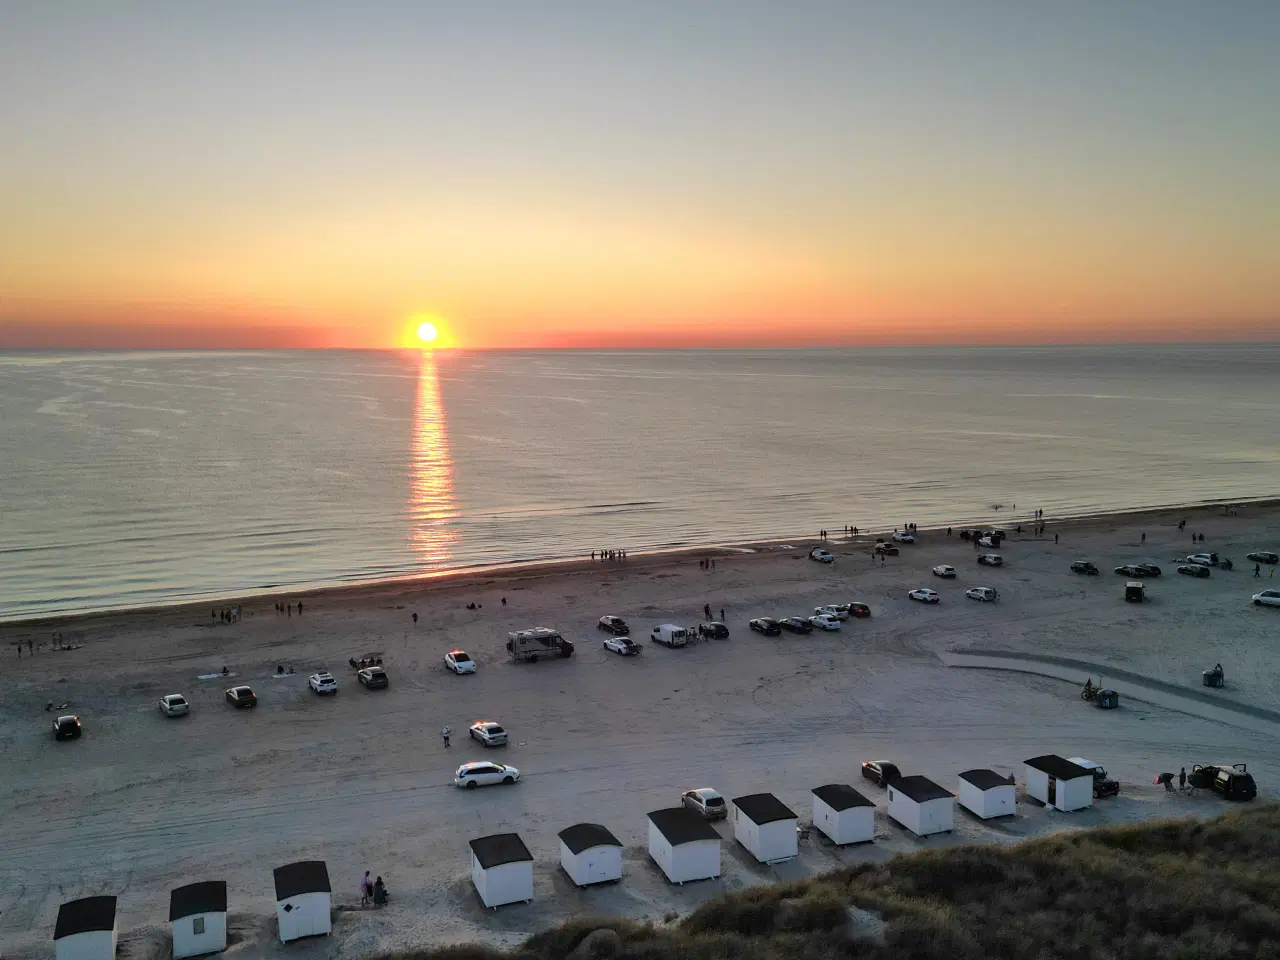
{"x": 138, "y": 478}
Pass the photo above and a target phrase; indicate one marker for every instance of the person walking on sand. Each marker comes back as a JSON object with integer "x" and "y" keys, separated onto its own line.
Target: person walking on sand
{"x": 1257, "y": 570}
{"x": 1055, "y": 539}
{"x": 366, "y": 889}
{"x": 445, "y": 734}
{"x": 1182, "y": 779}
{"x": 722, "y": 614}
{"x": 706, "y": 610}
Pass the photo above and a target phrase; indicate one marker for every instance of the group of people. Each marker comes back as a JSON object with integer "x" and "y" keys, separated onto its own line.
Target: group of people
{"x": 606, "y": 555}
{"x": 372, "y": 891}
{"x": 706, "y": 609}
{"x": 286, "y": 609}
{"x": 706, "y": 563}
{"x": 225, "y": 615}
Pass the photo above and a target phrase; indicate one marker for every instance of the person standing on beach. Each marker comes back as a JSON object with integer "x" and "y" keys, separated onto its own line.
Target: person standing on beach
{"x": 1055, "y": 539}
{"x": 1182, "y": 779}
{"x": 1144, "y": 538}
{"x": 445, "y": 734}
{"x": 366, "y": 889}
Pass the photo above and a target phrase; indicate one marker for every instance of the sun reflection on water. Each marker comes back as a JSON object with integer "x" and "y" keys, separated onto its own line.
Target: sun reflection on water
{"x": 432, "y": 506}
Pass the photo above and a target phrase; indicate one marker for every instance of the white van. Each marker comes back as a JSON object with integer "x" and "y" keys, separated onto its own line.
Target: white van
{"x": 669, "y": 635}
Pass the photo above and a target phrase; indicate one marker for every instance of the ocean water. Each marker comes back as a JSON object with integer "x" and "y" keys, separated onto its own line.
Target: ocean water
{"x": 139, "y": 478}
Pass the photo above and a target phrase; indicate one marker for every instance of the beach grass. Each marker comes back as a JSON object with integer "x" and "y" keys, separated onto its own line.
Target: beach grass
{"x": 1170, "y": 890}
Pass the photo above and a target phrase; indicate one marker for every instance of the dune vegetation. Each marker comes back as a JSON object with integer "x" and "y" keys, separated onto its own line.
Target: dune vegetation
{"x": 1166, "y": 891}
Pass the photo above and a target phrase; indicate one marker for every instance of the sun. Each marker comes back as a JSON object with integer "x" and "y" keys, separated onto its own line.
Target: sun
{"x": 427, "y": 332}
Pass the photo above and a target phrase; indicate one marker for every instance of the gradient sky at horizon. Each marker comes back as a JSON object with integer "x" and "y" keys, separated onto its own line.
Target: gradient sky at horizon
{"x": 574, "y": 173}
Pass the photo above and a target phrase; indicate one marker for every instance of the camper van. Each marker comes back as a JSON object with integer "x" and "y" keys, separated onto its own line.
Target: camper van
{"x": 669, "y": 635}
{"x": 536, "y": 643}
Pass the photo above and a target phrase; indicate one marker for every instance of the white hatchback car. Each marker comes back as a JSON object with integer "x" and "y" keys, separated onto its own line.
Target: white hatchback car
{"x": 459, "y": 662}
{"x": 322, "y": 683}
{"x": 945, "y": 570}
{"x": 174, "y": 705}
{"x": 903, "y": 538}
{"x": 924, "y": 595}
{"x": 622, "y": 646}
{"x": 824, "y": 622}
{"x": 482, "y": 773}
{"x": 985, "y": 594}
{"x": 1267, "y": 598}
{"x": 838, "y": 610}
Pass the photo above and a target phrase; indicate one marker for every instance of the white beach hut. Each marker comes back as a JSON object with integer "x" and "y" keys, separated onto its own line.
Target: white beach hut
{"x": 86, "y": 929}
{"x": 590, "y": 854}
{"x": 987, "y": 794}
{"x": 1059, "y": 783}
{"x": 684, "y": 845}
{"x": 198, "y": 916}
{"x": 843, "y": 814}
{"x": 304, "y": 900}
{"x": 502, "y": 869}
{"x": 765, "y": 826}
{"x": 921, "y": 805}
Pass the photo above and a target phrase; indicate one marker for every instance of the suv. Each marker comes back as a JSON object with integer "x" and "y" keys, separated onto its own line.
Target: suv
{"x": 66, "y": 728}
{"x": 715, "y": 629}
{"x": 489, "y": 733}
{"x": 374, "y": 678}
{"x": 705, "y": 801}
{"x": 1103, "y": 786}
{"x": 242, "y": 697}
{"x": 766, "y": 625}
{"x": 795, "y": 625}
{"x": 1232, "y": 780}
{"x": 880, "y": 772}
{"x": 1084, "y": 566}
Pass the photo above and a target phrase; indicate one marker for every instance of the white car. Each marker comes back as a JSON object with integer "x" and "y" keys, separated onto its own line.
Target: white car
{"x": 459, "y": 662}
{"x": 945, "y": 570}
{"x": 824, "y": 622}
{"x": 322, "y": 683}
{"x": 903, "y": 538}
{"x": 838, "y": 610}
{"x": 489, "y": 733}
{"x": 821, "y": 555}
{"x": 985, "y": 594}
{"x": 622, "y": 646}
{"x": 989, "y": 542}
{"x": 924, "y": 595}
{"x": 990, "y": 560}
{"x": 1267, "y": 598}
{"x": 174, "y": 705}
{"x": 482, "y": 773}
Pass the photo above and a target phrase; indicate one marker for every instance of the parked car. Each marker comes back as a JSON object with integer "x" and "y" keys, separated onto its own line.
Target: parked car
{"x": 1263, "y": 557}
{"x": 945, "y": 570}
{"x": 1085, "y": 567}
{"x": 242, "y": 696}
{"x": 1103, "y": 786}
{"x": 1209, "y": 560}
{"x": 533, "y": 644}
{"x": 1129, "y": 570}
{"x": 886, "y": 549}
{"x": 795, "y": 625}
{"x": 766, "y": 625}
{"x": 924, "y": 595}
{"x": 715, "y": 630}
{"x": 174, "y": 705}
{"x": 990, "y": 542}
{"x": 622, "y": 645}
{"x": 66, "y": 728}
{"x": 824, "y": 622}
{"x": 985, "y": 594}
{"x": 1134, "y": 592}
{"x": 1232, "y": 780}
{"x": 669, "y": 635}
{"x": 903, "y": 538}
{"x": 705, "y": 801}
{"x": 1147, "y": 569}
{"x": 481, "y": 773}
{"x": 880, "y": 772}
{"x": 322, "y": 683}
{"x": 1267, "y": 598}
{"x": 373, "y": 678}
{"x": 459, "y": 662}
{"x": 859, "y": 610}
{"x": 822, "y": 555}
{"x": 990, "y": 560}
{"x": 1193, "y": 570}
{"x": 489, "y": 733}
{"x": 615, "y": 625}
{"x": 837, "y": 610}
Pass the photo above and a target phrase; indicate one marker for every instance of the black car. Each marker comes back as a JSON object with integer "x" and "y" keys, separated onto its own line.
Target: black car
{"x": 880, "y": 772}
{"x": 887, "y": 549}
{"x": 1233, "y": 781}
{"x": 1193, "y": 570}
{"x": 1263, "y": 557}
{"x": 1085, "y": 567}
{"x": 1129, "y": 570}
{"x": 715, "y": 630}
{"x": 1147, "y": 570}
{"x": 615, "y": 625}
{"x": 66, "y": 728}
{"x": 766, "y": 625}
{"x": 795, "y": 625}
{"x": 859, "y": 610}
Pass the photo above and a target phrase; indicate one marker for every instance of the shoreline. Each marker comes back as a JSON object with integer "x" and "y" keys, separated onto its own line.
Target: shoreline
{"x": 442, "y": 581}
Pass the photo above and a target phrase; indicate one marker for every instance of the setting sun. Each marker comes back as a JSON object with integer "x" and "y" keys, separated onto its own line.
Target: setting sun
{"x": 427, "y": 332}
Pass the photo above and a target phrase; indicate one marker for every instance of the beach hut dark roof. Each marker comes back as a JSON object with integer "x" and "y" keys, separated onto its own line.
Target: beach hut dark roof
{"x": 85, "y": 916}
{"x": 583, "y": 836}
{"x": 500, "y": 848}
{"x": 763, "y": 808}
{"x": 681, "y": 825}
{"x": 305, "y": 876}
{"x": 920, "y": 789}
{"x": 1058, "y": 767}
{"x": 210, "y": 896}
{"x": 841, "y": 796}
{"x": 986, "y": 779}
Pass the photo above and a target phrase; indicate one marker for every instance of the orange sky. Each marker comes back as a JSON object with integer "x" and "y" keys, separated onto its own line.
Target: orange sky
{"x": 849, "y": 174}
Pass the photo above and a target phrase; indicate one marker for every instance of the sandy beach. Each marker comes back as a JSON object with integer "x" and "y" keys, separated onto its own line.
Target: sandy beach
{"x": 141, "y": 804}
